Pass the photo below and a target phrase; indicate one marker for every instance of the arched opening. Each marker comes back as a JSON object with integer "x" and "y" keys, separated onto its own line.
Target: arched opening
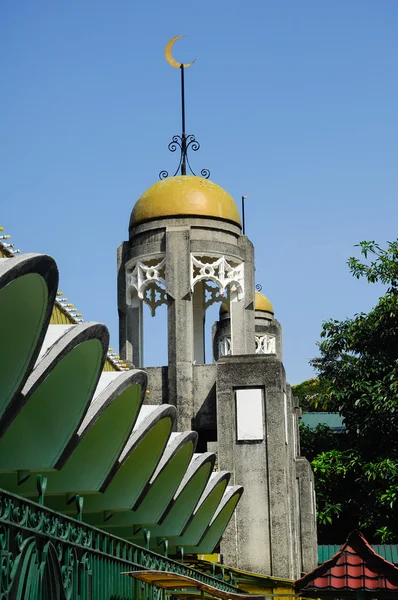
{"x": 154, "y": 336}
{"x": 206, "y": 299}
{"x": 147, "y": 329}
{"x": 212, "y": 316}
{"x": 215, "y": 279}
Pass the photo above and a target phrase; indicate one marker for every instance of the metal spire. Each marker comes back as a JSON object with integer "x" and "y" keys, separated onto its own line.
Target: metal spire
{"x": 183, "y": 141}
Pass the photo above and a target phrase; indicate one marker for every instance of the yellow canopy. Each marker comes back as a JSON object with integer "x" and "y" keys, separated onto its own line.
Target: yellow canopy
{"x": 174, "y": 581}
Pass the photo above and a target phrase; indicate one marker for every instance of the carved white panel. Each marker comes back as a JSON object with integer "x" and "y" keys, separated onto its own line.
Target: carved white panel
{"x": 265, "y": 344}
{"x": 148, "y": 279}
{"x": 224, "y": 346}
{"x": 226, "y": 274}
{"x": 249, "y": 414}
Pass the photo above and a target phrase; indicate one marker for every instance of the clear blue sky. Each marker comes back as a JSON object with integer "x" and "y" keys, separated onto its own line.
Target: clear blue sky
{"x": 294, "y": 103}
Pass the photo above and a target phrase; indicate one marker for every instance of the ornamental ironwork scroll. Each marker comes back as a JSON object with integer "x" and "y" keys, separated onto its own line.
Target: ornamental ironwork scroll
{"x": 265, "y": 344}
{"x": 148, "y": 279}
{"x": 62, "y": 558}
{"x": 227, "y": 275}
{"x": 184, "y": 143}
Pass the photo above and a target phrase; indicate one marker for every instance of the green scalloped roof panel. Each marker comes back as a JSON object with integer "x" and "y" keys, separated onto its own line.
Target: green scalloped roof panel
{"x": 202, "y": 517}
{"x": 95, "y": 454}
{"x": 23, "y": 304}
{"x": 183, "y": 507}
{"x": 43, "y": 427}
{"x": 180, "y": 510}
{"x": 159, "y": 494}
{"x": 133, "y": 474}
{"x": 217, "y": 528}
{"x": 101, "y": 446}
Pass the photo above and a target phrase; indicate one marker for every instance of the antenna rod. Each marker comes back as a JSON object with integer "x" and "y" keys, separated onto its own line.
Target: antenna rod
{"x": 243, "y": 214}
{"x": 184, "y": 141}
{"x": 183, "y": 134}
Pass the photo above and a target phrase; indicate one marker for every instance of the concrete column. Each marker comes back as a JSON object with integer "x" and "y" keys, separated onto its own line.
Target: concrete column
{"x": 131, "y": 339}
{"x": 180, "y": 326}
{"x": 278, "y": 484}
{"x": 242, "y": 313}
{"x": 135, "y": 333}
{"x": 125, "y": 349}
{"x": 198, "y": 316}
{"x": 292, "y": 485}
{"x": 260, "y": 536}
{"x": 309, "y": 555}
{"x": 277, "y": 329}
{"x": 125, "y": 345}
{"x": 238, "y": 330}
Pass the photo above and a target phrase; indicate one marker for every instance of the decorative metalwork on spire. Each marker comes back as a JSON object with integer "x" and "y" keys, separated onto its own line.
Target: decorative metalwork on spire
{"x": 185, "y": 141}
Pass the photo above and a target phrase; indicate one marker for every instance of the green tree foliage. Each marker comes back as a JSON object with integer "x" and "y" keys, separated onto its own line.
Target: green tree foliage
{"x": 314, "y": 442}
{"x": 357, "y": 472}
{"x": 313, "y": 395}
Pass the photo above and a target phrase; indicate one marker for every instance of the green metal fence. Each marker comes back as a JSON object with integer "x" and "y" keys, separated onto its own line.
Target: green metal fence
{"x": 48, "y": 556}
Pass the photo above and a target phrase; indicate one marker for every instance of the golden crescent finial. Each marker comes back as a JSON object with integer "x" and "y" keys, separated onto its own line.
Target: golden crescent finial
{"x": 169, "y": 54}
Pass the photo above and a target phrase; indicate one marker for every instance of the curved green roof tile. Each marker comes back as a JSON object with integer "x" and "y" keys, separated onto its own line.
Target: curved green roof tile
{"x": 160, "y": 490}
{"x": 204, "y": 511}
{"x": 55, "y": 399}
{"x": 88, "y": 432}
{"x": 219, "y": 522}
{"x": 144, "y": 450}
{"x": 102, "y": 436}
{"x": 28, "y": 285}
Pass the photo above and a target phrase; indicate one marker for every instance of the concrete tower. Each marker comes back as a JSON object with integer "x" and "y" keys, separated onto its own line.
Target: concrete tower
{"x": 186, "y": 250}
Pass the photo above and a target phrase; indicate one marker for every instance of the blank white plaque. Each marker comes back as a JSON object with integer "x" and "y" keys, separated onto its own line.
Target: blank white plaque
{"x": 249, "y": 414}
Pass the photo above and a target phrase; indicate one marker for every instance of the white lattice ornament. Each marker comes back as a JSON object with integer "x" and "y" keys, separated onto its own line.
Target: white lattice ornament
{"x": 224, "y": 346}
{"x": 213, "y": 294}
{"x": 148, "y": 279}
{"x": 226, "y": 274}
{"x": 265, "y": 344}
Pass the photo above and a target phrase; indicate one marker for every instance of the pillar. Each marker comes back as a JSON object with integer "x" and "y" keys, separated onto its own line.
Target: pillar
{"x": 180, "y": 326}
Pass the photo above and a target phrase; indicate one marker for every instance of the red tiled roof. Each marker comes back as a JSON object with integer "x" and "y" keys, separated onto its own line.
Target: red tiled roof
{"x": 356, "y": 566}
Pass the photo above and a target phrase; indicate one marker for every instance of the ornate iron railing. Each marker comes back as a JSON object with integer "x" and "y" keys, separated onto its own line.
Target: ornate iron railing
{"x": 47, "y": 555}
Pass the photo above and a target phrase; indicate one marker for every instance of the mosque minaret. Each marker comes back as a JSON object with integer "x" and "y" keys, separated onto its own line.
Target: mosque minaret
{"x": 186, "y": 250}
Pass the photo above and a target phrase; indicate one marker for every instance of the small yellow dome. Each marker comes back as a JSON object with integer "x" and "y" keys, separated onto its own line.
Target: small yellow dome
{"x": 185, "y": 195}
{"x": 261, "y": 303}
{"x": 224, "y": 308}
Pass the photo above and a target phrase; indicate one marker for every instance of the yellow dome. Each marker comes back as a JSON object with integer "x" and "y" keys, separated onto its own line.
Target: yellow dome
{"x": 185, "y": 195}
{"x": 261, "y": 302}
{"x": 224, "y": 308}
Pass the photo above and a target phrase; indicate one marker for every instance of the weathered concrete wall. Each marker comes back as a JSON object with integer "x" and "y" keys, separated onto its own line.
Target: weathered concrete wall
{"x": 175, "y": 239}
{"x": 273, "y": 529}
{"x": 308, "y": 537}
{"x": 204, "y": 389}
{"x": 180, "y": 324}
{"x": 293, "y": 497}
{"x": 262, "y": 534}
{"x": 157, "y": 387}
